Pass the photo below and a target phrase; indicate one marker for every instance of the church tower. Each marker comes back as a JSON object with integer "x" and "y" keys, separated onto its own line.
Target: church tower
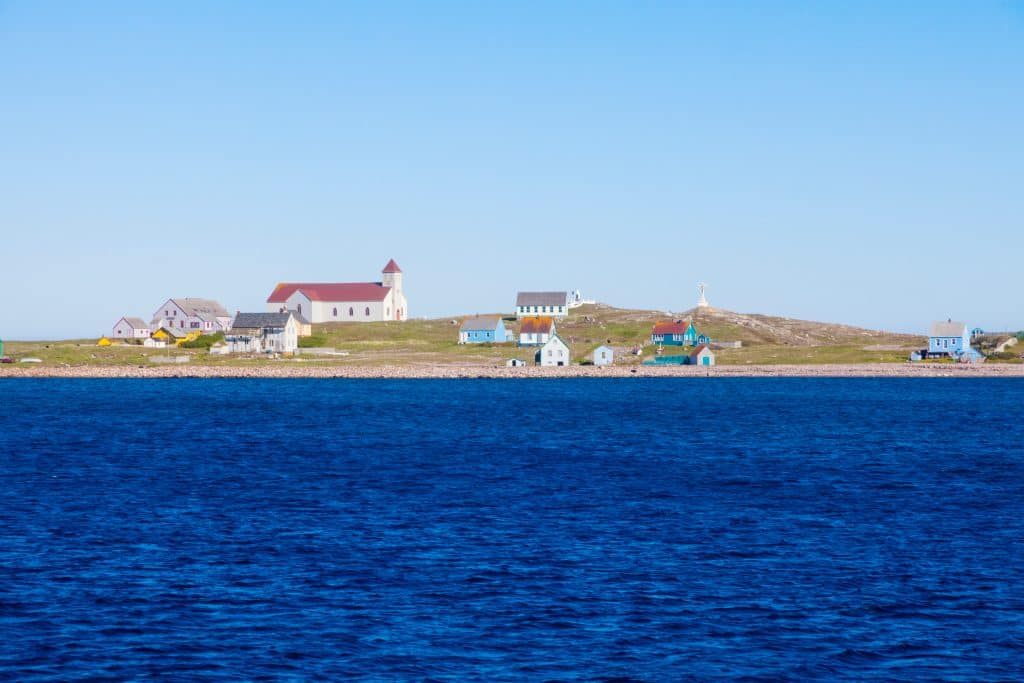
{"x": 393, "y": 279}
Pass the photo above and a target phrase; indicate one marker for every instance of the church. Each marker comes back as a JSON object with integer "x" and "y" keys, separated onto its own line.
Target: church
{"x": 339, "y": 302}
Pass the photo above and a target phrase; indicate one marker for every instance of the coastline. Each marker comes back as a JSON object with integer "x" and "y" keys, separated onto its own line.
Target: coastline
{"x": 529, "y": 372}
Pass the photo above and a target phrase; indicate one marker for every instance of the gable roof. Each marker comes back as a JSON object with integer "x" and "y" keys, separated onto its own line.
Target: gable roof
{"x": 330, "y": 291}
{"x": 677, "y": 327}
{"x": 480, "y": 322}
{"x": 542, "y": 298}
{"x": 552, "y": 339}
{"x": 260, "y": 320}
{"x": 136, "y": 323}
{"x": 537, "y": 325}
{"x": 391, "y": 267}
{"x": 698, "y": 349}
{"x": 196, "y": 307}
{"x": 947, "y": 329}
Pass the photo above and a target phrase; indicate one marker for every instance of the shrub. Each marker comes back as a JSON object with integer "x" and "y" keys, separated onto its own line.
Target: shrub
{"x": 203, "y": 341}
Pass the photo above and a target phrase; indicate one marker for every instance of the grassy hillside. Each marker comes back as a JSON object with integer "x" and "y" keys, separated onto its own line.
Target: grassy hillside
{"x": 766, "y": 340}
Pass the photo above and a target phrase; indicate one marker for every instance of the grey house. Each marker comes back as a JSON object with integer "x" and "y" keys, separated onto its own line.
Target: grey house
{"x": 259, "y": 332}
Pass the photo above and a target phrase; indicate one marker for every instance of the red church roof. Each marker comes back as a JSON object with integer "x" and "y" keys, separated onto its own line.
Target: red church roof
{"x": 679, "y": 327}
{"x": 330, "y": 291}
{"x": 391, "y": 267}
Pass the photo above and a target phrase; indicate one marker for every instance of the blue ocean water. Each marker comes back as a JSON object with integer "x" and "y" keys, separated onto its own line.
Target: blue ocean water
{"x": 636, "y": 529}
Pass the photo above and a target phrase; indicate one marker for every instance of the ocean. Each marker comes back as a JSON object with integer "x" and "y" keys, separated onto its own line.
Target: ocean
{"x": 512, "y": 530}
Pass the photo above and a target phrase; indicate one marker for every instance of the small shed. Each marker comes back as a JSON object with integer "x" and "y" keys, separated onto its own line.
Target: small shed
{"x": 514, "y": 363}
{"x": 702, "y": 355}
{"x": 604, "y": 355}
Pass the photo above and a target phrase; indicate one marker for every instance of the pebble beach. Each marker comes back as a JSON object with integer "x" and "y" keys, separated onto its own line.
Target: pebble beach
{"x": 500, "y": 372}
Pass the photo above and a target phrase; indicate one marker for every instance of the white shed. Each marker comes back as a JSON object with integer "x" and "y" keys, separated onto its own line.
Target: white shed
{"x": 554, "y": 353}
{"x": 604, "y": 355}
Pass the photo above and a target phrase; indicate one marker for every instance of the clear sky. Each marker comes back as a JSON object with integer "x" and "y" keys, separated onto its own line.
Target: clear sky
{"x": 858, "y": 162}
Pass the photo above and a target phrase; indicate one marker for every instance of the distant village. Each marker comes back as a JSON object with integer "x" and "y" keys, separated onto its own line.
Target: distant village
{"x": 293, "y": 308}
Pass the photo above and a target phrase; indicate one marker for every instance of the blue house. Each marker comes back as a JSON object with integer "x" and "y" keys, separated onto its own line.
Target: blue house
{"x": 948, "y": 339}
{"x": 483, "y": 329}
{"x": 679, "y": 333}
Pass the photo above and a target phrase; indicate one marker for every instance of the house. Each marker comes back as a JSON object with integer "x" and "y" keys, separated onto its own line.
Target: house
{"x": 542, "y": 303}
{"x": 191, "y": 314}
{"x": 131, "y": 328}
{"x": 258, "y": 332}
{"x": 483, "y": 328}
{"x": 702, "y": 355}
{"x": 948, "y": 339}
{"x": 554, "y": 353}
{"x": 514, "y": 363}
{"x": 338, "y": 302}
{"x": 305, "y": 327}
{"x": 603, "y": 355}
{"x": 678, "y": 333}
{"x": 535, "y": 331}
{"x": 169, "y": 335}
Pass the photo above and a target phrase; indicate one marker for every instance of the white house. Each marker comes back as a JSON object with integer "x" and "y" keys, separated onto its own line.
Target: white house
{"x": 536, "y": 330}
{"x": 327, "y": 302}
{"x": 258, "y": 332}
{"x": 603, "y": 355}
{"x": 554, "y": 353}
{"x": 131, "y": 328}
{"x": 948, "y": 339}
{"x": 191, "y": 314}
{"x": 542, "y": 303}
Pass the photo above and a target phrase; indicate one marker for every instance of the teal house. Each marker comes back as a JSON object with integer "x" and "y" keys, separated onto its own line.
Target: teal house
{"x": 678, "y": 333}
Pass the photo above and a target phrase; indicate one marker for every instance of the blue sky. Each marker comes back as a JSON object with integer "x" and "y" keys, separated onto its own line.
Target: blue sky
{"x": 850, "y": 162}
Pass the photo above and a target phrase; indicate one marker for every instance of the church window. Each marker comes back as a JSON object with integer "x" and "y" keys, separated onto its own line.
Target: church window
{"x": 335, "y": 311}
{"x": 367, "y": 310}
{"x": 351, "y": 311}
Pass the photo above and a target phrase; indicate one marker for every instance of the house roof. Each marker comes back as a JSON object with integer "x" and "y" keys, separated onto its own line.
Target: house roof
{"x": 260, "y": 320}
{"x": 551, "y": 340}
{"x": 947, "y": 329}
{"x": 678, "y": 327}
{"x": 136, "y": 323}
{"x": 542, "y": 298}
{"x": 391, "y": 267}
{"x": 195, "y": 307}
{"x": 330, "y": 291}
{"x": 480, "y": 322}
{"x": 697, "y": 350}
{"x": 536, "y": 325}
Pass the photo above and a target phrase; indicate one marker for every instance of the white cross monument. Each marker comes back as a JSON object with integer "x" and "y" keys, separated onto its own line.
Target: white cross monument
{"x": 702, "y": 302}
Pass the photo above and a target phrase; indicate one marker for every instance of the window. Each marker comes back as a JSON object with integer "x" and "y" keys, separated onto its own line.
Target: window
{"x": 299, "y": 309}
{"x": 351, "y": 311}
{"x": 367, "y": 310}
{"x": 335, "y": 311}
{"x": 549, "y": 353}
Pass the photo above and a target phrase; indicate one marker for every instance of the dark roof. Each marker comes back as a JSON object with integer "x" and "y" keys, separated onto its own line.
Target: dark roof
{"x": 542, "y": 298}
{"x": 330, "y": 291}
{"x": 392, "y": 267}
{"x": 260, "y": 320}
{"x": 536, "y": 325}
{"x": 480, "y": 322}
{"x": 678, "y": 327}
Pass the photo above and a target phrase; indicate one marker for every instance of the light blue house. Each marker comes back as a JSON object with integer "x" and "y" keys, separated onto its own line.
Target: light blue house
{"x": 948, "y": 339}
{"x": 483, "y": 329}
{"x": 678, "y": 333}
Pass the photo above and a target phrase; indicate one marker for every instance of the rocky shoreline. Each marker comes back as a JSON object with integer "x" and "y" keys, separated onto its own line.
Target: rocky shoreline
{"x": 484, "y": 372}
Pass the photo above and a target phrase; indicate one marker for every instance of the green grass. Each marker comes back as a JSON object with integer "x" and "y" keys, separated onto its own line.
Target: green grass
{"x": 435, "y": 342}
